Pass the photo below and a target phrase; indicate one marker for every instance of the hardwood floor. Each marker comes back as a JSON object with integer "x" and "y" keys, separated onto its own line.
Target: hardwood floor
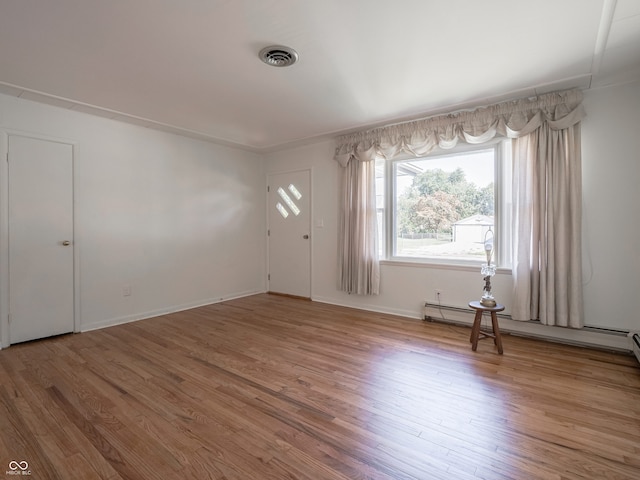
{"x": 269, "y": 387}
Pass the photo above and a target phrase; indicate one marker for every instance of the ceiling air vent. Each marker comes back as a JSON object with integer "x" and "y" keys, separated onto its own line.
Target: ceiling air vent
{"x": 278, "y": 56}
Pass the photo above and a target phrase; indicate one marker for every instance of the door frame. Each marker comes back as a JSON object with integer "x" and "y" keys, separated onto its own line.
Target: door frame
{"x": 311, "y": 223}
{"x": 5, "y": 133}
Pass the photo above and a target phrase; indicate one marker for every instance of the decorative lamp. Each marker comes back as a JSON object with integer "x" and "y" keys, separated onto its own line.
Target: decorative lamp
{"x": 488, "y": 270}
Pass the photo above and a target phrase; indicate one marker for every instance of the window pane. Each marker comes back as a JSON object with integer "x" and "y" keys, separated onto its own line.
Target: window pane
{"x": 282, "y": 210}
{"x": 296, "y": 193}
{"x": 444, "y": 205}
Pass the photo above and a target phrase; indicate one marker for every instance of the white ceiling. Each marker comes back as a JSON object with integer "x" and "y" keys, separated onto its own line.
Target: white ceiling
{"x": 192, "y": 66}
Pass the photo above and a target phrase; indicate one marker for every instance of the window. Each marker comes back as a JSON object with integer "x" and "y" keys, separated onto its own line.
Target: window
{"x": 441, "y": 208}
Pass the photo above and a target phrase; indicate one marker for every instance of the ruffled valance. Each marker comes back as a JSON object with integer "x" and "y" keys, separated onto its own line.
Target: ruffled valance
{"x": 511, "y": 119}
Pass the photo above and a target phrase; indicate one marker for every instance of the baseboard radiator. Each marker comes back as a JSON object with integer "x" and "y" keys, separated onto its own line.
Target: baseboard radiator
{"x": 617, "y": 340}
{"x": 449, "y": 314}
{"x": 635, "y": 341}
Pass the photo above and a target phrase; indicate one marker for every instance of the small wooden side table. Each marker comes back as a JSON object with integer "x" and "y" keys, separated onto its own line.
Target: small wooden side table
{"x": 475, "y": 330}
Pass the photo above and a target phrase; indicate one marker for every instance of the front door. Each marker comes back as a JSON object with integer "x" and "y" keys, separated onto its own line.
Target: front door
{"x": 289, "y": 233}
{"x": 41, "y": 286}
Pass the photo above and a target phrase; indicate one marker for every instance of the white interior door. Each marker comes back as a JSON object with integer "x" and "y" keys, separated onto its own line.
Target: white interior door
{"x": 41, "y": 292}
{"x": 289, "y": 233}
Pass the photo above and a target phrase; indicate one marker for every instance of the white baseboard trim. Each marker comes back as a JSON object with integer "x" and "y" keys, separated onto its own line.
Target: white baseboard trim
{"x": 111, "y": 322}
{"x": 370, "y": 308}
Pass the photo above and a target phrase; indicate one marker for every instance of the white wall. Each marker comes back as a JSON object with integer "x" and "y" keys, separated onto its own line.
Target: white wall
{"x": 611, "y": 196}
{"x": 180, "y": 220}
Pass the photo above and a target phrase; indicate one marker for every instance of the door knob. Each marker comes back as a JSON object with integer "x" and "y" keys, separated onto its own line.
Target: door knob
{"x": 306, "y": 237}
{"x": 66, "y": 243}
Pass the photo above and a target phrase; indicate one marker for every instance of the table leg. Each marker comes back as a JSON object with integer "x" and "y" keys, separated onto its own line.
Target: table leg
{"x": 475, "y": 330}
{"x": 497, "y": 339}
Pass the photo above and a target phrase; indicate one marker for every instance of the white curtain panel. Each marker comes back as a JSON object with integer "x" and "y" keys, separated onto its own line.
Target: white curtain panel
{"x": 359, "y": 267}
{"x": 547, "y": 196}
{"x": 547, "y": 260}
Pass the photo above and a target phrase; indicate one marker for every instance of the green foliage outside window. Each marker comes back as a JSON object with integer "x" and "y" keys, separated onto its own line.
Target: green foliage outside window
{"x": 437, "y": 199}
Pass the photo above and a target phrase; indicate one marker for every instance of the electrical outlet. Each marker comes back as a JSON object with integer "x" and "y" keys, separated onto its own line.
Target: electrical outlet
{"x": 437, "y": 293}
{"x": 126, "y": 290}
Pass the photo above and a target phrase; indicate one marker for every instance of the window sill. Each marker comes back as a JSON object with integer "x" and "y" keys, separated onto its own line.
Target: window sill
{"x": 465, "y": 267}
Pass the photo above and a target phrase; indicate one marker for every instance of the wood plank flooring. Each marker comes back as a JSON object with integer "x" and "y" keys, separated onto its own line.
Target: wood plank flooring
{"x": 269, "y": 387}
